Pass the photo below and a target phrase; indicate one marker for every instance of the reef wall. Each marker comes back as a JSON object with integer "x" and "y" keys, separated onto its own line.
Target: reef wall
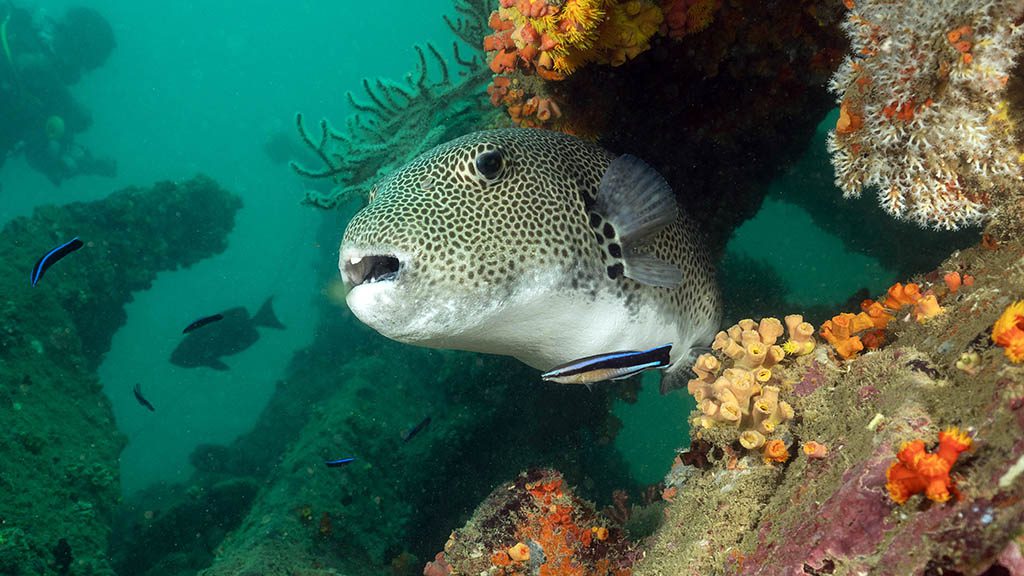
{"x": 59, "y": 444}
{"x": 828, "y": 510}
{"x": 847, "y": 482}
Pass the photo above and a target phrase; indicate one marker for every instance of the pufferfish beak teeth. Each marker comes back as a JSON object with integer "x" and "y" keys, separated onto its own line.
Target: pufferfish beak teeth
{"x": 358, "y": 268}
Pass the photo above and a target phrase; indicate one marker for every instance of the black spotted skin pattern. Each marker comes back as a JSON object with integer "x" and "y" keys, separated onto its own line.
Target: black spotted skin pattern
{"x": 468, "y": 233}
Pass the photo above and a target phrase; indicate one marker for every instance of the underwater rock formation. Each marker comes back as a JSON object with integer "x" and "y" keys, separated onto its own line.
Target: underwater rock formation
{"x": 829, "y": 511}
{"x": 867, "y": 492}
{"x": 925, "y": 118}
{"x": 59, "y": 445}
{"x": 398, "y": 121}
{"x": 385, "y": 504}
{"x": 536, "y": 525}
{"x": 720, "y": 112}
{"x": 354, "y": 393}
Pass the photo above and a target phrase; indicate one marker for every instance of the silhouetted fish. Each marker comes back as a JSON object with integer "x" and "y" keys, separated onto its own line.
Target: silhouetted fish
{"x": 410, "y": 433}
{"x": 339, "y": 462}
{"x": 137, "y": 390}
{"x": 52, "y": 257}
{"x": 235, "y": 332}
{"x": 202, "y": 322}
{"x": 611, "y": 366}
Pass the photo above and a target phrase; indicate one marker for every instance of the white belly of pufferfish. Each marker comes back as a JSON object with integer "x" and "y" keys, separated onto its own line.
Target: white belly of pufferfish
{"x": 544, "y": 330}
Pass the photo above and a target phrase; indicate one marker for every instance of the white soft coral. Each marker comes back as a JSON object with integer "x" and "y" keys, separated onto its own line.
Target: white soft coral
{"x": 924, "y": 99}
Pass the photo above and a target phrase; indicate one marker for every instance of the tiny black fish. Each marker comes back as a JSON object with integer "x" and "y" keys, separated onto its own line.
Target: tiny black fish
{"x": 52, "y": 257}
{"x": 339, "y": 462}
{"x": 610, "y": 366}
{"x": 142, "y": 399}
{"x": 408, "y": 434}
{"x": 202, "y": 322}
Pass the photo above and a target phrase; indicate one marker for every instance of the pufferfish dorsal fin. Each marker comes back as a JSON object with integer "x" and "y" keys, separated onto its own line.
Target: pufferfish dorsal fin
{"x": 639, "y": 204}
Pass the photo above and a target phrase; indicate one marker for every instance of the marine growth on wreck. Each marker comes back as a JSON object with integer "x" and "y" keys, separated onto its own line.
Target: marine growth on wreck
{"x": 570, "y": 288}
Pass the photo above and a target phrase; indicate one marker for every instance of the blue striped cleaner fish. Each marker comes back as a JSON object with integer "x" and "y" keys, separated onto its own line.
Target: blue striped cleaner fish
{"x": 52, "y": 257}
{"x": 610, "y": 366}
{"x": 339, "y": 462}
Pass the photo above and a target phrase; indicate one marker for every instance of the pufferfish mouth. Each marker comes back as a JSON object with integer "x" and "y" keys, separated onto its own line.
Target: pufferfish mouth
{"x": 358, "y": 269}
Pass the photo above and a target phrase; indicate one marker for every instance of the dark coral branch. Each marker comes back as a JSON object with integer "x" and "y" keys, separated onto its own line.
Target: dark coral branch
{"x": 319, "y": 149}
{"x": 395, "y": 121}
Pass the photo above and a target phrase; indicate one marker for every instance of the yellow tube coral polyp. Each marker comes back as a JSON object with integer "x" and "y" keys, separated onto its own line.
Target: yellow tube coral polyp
{"x": 801, "y": 336}
{"x": 740, "y": 393}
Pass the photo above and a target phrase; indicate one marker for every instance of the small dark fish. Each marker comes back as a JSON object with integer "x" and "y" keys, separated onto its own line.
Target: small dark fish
{"x": 52, "y": 257}
{"x": 339, "y": 462}
{"x": 234, "y": 332}
{"x": 408, "y": 434}
{"x": 202, "y": 322}
{"x": 610, "y": 366}
{"x": 142, "y": 399}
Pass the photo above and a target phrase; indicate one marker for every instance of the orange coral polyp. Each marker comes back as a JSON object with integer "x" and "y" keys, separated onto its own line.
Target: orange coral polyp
{"x": 775, "y": 451}
{"x": 900, "y": 295}
{"x": 519, "y": 553}
{"x": 927, "y": 307}
{"x": 917, "y": 471}
{"x": 1008, "y": 331}
{"x": 840, "y": 330}
{"x": 876, "y": 312}
{"x": 953, "y": 281}
{"x": 848, "y": 122}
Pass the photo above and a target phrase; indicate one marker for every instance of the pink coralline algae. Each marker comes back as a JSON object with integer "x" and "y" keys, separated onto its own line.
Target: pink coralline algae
{"x": 849, "y": 525}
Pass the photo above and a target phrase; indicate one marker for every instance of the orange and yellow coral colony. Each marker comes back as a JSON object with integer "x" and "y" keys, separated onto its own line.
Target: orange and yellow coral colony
{"x": 555, "y": 531}
{"x": 553, "y": 39}
{"x": 1008, "y": 331}
{"x": 843, "y": 330}
{"x": 918, "y": 471}
{"x": 740, "y": 395}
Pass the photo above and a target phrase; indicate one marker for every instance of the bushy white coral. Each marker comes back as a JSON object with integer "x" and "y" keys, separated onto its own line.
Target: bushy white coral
{"x": 923, "y": 112}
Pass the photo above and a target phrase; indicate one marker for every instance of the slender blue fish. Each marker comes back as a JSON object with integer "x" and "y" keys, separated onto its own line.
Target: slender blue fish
{"x": 52, "y": 257}
{"x": 411, "y": 432}
{"x": 137, "y": 390}
{"x": 610, "y": 366}
{"x": 202, "y": 322}
{"x": 339, "y": 462}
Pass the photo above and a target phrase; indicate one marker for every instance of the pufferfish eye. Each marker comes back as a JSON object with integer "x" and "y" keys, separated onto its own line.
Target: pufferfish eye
{"x": 490, "y": 164}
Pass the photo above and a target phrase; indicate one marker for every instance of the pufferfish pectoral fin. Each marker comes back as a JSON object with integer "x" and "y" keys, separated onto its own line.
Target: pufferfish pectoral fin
{"x": 639, "y": 204}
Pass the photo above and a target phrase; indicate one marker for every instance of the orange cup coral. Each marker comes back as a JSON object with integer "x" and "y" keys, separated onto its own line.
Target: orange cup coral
{"x": 775, "y": 451}
{"x": 1008, "y": 331}
{"x": 918, "y": 471}
{"x": 841, "y": 332}
{"x": 900, "y": 295}
{"x": 815, "y": 450}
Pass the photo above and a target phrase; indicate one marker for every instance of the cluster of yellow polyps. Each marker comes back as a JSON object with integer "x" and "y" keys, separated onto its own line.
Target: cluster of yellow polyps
{"x": 741, "y": 394}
